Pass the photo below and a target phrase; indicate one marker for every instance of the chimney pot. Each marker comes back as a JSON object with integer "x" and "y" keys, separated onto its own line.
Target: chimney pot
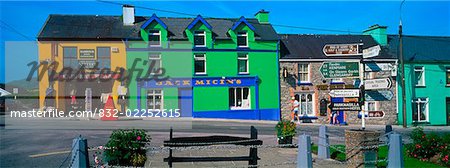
{"x": 128, "y": 15}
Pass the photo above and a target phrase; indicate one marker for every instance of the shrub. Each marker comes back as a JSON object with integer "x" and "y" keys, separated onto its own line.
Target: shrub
{"x": 445, "y": 151}
{"x": 285, "y": 128}
{"x": 126, "y": 148}
{"x": 424, "y": 146}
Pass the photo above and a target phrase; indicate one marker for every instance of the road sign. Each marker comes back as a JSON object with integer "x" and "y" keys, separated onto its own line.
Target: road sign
{"x": 339, "y": 70}
{"x": 379, "y": 95}
{"x": 376, "y": 67}
{"x": 344, "y": 93}
{"x": 371, "y": 52}
{"x": 341, "y": 49}
{"x": 376, "y": 114}
{"x": 347, "y": 106}
{"x": 4, "y": 92}
{"x": 374, "y": 84}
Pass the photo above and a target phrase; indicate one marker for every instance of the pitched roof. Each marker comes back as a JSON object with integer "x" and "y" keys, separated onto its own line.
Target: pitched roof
{"x": 111, "y": 27}
{"x": 421, "y": 48}
{"x": 301, "y": 46}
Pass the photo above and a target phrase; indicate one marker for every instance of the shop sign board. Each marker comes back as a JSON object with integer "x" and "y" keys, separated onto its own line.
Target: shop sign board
{"x": 378, "y": 95}
{"x": 87, "y": 53}
{"x": 331, "y": 70}
{"x": 375, "y": 84}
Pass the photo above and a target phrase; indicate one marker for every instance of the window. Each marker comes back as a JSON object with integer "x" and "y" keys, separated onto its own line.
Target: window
{"x": 54, "y": 49}
{"x": 104, "y": 57}
{"x": 303, "y": 73}
{"x": 419, "y": 74}
{"x": 242, "y": 40}
{"x": 420, "y": 110}
{"x": 239, "y": 98}
{"x": 154, "y": 38}
{"x": 200, "y": 64}
{"x": 70, "y": 58}
{"x": 154, "y": 99}
{"x": 199, "y": 39}
{"x": 306, "y": 104}
{"x": 371, "y": 106}
{"x": 154, "y": 60}
{"x": 448, "y": 77}
{"x": 243, "y": 63}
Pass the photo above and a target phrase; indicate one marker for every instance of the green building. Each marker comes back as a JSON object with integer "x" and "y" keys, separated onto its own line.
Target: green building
{"x": 212, "y": 67}
{"x": 427, "y": 78}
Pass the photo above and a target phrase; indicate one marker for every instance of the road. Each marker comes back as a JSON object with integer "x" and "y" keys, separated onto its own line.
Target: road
{"x": 17, "y": 145}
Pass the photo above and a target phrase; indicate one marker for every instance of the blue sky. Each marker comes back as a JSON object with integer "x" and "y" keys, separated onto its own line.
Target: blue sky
{"x": 419, "y": 18}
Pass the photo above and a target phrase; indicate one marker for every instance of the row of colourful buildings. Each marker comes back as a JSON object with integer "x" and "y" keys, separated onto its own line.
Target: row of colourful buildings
{"x": 234, "y": 68}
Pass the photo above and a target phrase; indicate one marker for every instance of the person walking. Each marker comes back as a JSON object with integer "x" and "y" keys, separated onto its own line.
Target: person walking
{"x": 295, "y": 110}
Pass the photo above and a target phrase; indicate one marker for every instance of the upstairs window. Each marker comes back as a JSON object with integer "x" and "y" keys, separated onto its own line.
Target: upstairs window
{"x": 303, "y": 73}
{"x": 199, "y": 39}
{"x": 242, "y": 39}
{"x": 419, "y": 74}
{"x": 154, "y": 38}
{"x": 104, "y": 57}
{"x": 155, "y": 60}
{"x": 70, "y": 58}
{"x": 243, "y": 63}
{"x": 200, "y": 64}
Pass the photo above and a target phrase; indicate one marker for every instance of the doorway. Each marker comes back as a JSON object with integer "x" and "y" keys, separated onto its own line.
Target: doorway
{"x": 448, "y": 110}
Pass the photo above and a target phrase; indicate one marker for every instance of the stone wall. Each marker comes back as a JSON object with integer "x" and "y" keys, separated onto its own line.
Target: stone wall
{"x": 321, "y": 88}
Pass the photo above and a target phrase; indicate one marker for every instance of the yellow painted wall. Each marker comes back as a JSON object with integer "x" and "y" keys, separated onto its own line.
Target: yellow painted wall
{"x": 118, "y": 59}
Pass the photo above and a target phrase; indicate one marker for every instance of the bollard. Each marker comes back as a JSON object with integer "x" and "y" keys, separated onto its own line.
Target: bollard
{"x": 387, "y": 130}
{"x": 324, "y": 148}
{"x": 80, "y": 156}
{"x": 304, "y": 156}
{"x": 395, "y": 154}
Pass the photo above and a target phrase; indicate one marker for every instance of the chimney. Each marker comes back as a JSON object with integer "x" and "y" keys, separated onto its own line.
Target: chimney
{"x": 128, "y": 15}
{"x": 378, "y": 33}
{"x": 262, "y": 16}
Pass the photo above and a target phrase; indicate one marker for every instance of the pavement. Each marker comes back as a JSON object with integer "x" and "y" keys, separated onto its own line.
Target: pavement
{"x": 26, "y": 143}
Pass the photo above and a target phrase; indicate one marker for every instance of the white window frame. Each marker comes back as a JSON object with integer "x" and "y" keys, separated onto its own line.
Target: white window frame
{"x": 421, "y": 81}
{"x": 160, "y": 61}
{"x": 235, "y": 107}
{"x": 416, "y": 102}
{"x": 244, "y": 34}
{"x": 198, "y": 34}
{"x": 200, "y": 59}
{"x": 247, "y": 71}
{"x": 307, "y": 73}
{"x": 302, "y": 111}
{"x": 375, "y": 104}
{"x": 446, "y": 77}
{"x": 154, "y": 34}
{"x": 154, "y": 102}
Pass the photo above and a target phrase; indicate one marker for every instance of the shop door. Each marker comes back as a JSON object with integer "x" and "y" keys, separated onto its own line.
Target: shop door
{"x": 340, "y": 116}
{"x": 185, "y": 102}
{"x": 448, "y": 110}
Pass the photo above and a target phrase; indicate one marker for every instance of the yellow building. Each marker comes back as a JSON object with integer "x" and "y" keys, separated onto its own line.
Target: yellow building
{"x": 88, "y": 41}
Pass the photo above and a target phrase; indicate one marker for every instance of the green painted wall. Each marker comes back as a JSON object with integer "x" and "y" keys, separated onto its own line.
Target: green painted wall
{"x": 435, "y": 89}
{"x": 218, "y": 64}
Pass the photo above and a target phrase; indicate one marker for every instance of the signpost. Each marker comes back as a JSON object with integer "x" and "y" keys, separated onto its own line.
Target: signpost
{"x": 344, "y": 93}
{"x": 371, "y": 52}
{"x": 339, "y": 70}
{"x": 379, "y": 95}
{"x": 341, "y": 49}
{"x": 376, "y": 67}
{"x": 346, "y": 106}
{"x": 375, "y": 84}
{"x": 4, "y": 92}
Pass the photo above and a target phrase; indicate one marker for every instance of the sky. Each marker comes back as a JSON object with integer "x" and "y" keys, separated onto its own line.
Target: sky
{"x": 22, "y": 20}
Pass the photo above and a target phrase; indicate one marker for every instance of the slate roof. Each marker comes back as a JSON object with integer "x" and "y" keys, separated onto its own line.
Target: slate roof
{"x": 111, "y": 27}
{"x": 302, "y": 46}
{"x": 421, "y": 48}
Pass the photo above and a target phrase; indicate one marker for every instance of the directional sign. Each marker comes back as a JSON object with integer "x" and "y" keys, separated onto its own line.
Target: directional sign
{"x": 373, "y": 114}
{"x": 347, "y": 106}
{"x": 379, "y": 95}
{"x": 374, "y": 84}
{"x": 341, "y": 49}
{"x": 344, "y": 93}
{"x": 375, "y": 67}
{"x": 340, "y": 70}
{"x": 371, "y": 52}
{"x": 4, "y": 92}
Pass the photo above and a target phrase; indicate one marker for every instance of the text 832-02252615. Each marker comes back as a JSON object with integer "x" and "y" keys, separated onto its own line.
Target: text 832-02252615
{"x": 165, "y": 113}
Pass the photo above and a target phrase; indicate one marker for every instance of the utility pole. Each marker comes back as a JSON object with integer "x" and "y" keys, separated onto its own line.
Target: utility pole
{"x": 402, "y": 77}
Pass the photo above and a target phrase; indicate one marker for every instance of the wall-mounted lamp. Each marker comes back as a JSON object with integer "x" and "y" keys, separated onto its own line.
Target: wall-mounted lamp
{"x": 285, "y": 73}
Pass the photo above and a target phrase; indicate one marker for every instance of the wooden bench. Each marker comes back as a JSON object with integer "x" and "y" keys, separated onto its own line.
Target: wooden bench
{"x": 214, "y": 140}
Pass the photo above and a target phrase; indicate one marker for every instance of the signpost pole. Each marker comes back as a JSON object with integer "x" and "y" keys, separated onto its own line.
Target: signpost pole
{"x": 363, "y": 94}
